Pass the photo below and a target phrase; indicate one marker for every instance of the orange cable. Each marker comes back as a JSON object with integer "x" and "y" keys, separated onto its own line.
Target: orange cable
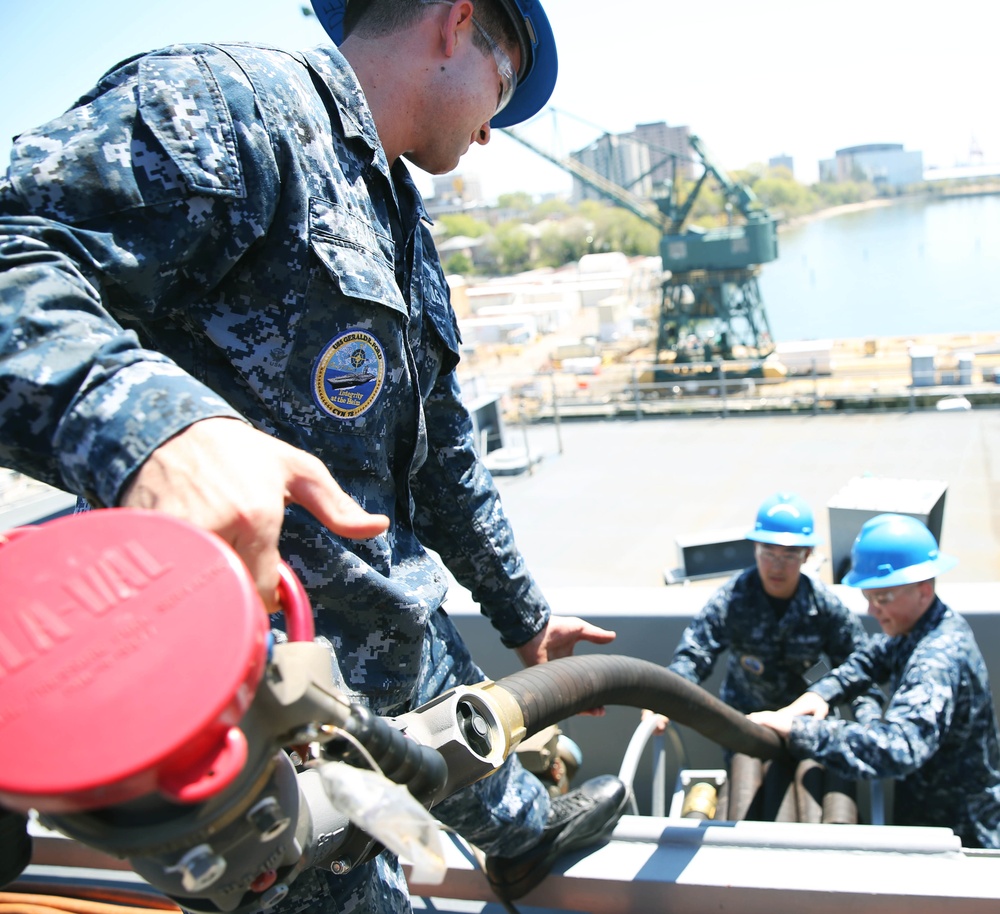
{"x": 16, "y": 903}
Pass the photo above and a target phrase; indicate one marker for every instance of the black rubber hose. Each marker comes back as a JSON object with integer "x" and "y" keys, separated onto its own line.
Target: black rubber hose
{"x": 840, "y": 802}
{"x": 421, "y": 769}
{"x": 779, "y": 791}
{"x": 746, "y": 776}
{"x": 15, "y": 846}
{"x": 551, "y": 692}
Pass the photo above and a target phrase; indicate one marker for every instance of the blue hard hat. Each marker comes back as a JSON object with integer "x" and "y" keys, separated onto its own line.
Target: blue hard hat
{"x": 894, "y": 549}
{"x": 539, "y": 63}
{"x": 784, "y": 520}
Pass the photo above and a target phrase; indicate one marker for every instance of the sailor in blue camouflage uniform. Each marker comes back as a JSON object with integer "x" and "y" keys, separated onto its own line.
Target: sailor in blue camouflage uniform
{"x": 219, "y": 299}
{"x": 938, "y": 737}
{"x": 776, "y": 622}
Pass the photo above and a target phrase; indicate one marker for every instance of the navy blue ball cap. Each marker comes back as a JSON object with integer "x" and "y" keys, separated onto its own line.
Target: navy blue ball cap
{"x": 536, "y": 77}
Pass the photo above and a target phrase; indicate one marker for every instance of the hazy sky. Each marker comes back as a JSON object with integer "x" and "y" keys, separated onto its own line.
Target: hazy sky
{"x": 754, "y": 79}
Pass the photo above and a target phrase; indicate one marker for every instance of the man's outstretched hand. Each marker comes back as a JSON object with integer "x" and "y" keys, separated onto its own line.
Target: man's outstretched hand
{"x": 558, "y": 638}
{"x": 225, "y": 476}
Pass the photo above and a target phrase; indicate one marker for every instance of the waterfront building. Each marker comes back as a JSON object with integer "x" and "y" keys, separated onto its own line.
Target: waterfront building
{"x": 880, "y": 163}
{"x": 457, "y": 190}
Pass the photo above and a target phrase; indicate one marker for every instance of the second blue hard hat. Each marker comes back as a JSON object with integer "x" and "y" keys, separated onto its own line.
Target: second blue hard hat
{"x": 784, "y": 519}
{"x": 894, "y": 549}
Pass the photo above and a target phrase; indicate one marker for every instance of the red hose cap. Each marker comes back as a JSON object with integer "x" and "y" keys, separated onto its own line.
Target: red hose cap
{"x": 131, "y": 645}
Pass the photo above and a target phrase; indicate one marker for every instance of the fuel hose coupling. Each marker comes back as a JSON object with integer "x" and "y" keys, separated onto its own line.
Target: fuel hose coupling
{"x": 144, "y": 705}
{"x": 701, "y": 801}
{"x": 474, "y": 728}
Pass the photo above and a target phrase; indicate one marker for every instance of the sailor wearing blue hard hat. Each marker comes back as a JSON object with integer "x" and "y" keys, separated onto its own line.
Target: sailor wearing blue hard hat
{"x": 894, "y": 561}
{"x": 773, "y": 622}
{"x": 784, "y": 534}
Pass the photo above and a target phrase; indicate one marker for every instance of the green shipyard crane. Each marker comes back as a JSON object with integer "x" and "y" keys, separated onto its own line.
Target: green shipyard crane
{"x": 711, "y": 300}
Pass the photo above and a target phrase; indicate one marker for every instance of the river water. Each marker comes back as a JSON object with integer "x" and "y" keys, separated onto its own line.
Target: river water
{"x": 914, "y": 267}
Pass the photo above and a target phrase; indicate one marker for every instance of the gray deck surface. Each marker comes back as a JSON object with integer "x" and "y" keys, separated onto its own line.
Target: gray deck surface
{"x": 608, "y": 509}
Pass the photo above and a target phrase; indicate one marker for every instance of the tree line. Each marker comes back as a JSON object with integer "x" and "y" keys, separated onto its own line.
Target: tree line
{"x": 520, "y": 234}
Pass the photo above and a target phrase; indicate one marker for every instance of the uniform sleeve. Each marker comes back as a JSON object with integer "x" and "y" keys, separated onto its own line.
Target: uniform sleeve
{"x": 126, "y": 204}
{"x": 856, "y": 675}
{"x": 909, "y": 733}
{"x": 704, "y": 639}
{"x": 459, "y": 515}
{"x": 846, "y": 635}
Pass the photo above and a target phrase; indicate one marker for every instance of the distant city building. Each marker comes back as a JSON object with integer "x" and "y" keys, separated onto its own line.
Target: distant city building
{"x": 666, "y": 146}
{"x": 619, "y": 159}
{"x": 457, "y": 189}
{"x": 782, "y": 161}
{"x": 879, "y": 163}
{"x": 642, "y": 160}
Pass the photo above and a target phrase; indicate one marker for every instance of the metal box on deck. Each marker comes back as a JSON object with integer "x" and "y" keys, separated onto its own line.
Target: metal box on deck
{"x": 866, "y": 496}
{"x": 710, "y": 554}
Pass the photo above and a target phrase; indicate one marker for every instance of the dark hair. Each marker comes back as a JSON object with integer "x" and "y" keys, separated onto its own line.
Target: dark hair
{"x": 378, "y": 18}
{"x": 494, "y": 18}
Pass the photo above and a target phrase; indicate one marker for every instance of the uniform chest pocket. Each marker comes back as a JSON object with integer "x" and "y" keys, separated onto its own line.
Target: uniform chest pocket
{"x": 357, "y": 255}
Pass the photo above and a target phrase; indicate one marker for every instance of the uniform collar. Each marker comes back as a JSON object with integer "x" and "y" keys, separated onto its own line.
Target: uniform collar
{"x": 356, "y": 118}
{"x": 927, "y": 622}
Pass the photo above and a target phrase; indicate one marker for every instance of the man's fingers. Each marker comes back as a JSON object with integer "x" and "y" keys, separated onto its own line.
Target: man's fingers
{"x": 224, "y": 476}
{"x": 318, "y": 492}
{"x": 661, "y": 719}
{"x": 597, "y": 635}
{"x": 262, "y": 563}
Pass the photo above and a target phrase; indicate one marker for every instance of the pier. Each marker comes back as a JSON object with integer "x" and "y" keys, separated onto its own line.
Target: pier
{"x": 943, "y": 371}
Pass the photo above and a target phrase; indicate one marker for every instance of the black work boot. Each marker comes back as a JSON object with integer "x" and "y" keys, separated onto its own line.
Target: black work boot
{"x": 577, "y": 819}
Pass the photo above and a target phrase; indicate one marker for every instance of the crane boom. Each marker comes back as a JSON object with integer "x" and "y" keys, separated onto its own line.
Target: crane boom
{"x": 639, "y": 206}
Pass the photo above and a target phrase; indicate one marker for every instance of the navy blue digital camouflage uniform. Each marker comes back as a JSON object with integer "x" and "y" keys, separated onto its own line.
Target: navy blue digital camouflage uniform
{"x": 938, "y": 736}
{"x": 769, "y": 654}
{"x": 232, "y": 209}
